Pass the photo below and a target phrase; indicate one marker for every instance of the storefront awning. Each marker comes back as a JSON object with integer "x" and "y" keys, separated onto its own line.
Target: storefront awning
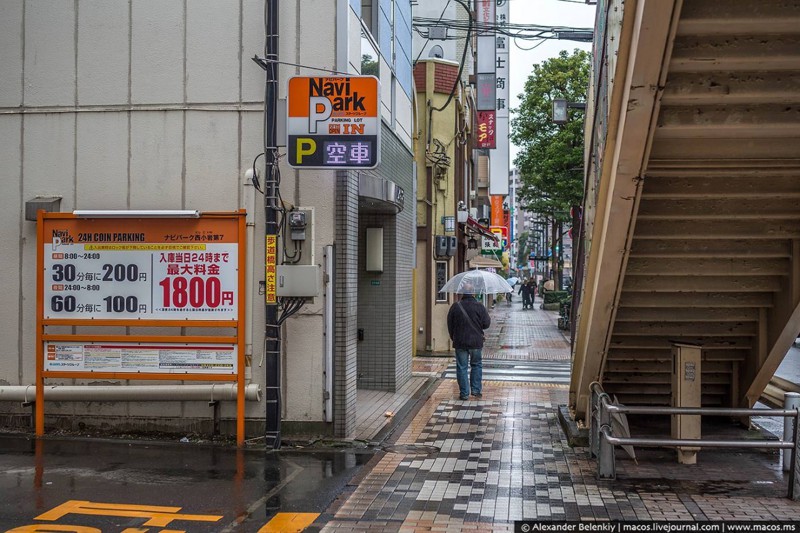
{"x": 482, "y": 261}
{"x": 475, "y": 227}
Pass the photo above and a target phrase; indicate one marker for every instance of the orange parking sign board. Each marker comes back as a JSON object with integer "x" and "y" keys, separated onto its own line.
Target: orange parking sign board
{"x": 333, "y": 122}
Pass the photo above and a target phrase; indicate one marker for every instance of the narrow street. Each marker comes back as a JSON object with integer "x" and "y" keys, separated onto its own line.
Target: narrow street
{"x": 448, "y": 465}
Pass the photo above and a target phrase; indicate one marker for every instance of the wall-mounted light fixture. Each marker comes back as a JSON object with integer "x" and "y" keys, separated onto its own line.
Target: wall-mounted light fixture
{"x": 560, "y": 106}
{"x": 374, "y": 250}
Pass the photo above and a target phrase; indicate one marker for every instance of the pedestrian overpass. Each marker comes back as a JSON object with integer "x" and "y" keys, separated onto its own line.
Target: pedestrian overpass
{"x": 691, "y": 222}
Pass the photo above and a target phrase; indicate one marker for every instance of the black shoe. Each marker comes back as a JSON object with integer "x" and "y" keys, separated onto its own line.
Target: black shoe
{"x": 479, "y": 395}
{"x": 463, "y": 397}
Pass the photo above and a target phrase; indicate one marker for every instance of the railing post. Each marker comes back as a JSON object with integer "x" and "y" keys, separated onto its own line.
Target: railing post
{"x": 606, "y": 460}
{"x": 594, "y": 427}
{"x": 791, "y": 400}
{"x": 794, "y": 475}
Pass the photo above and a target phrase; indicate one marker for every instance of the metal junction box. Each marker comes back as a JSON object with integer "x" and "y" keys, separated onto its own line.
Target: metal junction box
{"x": 298, "y": 281}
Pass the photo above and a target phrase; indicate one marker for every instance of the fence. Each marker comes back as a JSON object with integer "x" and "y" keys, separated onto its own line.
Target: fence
{"x": 603, "y": 440}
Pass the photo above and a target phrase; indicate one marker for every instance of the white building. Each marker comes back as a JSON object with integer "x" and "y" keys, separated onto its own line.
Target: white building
{"x": 157, "y": 105}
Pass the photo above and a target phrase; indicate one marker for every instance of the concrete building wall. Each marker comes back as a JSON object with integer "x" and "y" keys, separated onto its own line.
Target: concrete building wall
{"x": 307, "y": 43}
{"x": 157, "y": 105}
{"x": 119, "y": 105}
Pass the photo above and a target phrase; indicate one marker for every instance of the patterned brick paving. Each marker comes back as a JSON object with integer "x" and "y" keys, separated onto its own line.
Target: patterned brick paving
{"x": 479, "y": 465}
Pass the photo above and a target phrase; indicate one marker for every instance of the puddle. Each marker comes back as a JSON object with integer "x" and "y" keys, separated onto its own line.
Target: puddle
{"x": 412, "y": 449}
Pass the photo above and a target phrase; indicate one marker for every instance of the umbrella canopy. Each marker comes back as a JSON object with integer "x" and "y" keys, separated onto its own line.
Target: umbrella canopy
{"x": 512, "y": 281}
{"x": 477, "y": 282}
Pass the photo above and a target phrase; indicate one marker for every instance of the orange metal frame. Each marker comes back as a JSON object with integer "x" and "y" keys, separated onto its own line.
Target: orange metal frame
{"x": 235, "y": 340}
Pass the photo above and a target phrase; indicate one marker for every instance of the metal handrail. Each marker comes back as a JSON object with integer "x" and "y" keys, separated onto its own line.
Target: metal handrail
{"x": 692, "y": 443}
{"x": 602, "y": 439}
{"x": 713, "y": 411}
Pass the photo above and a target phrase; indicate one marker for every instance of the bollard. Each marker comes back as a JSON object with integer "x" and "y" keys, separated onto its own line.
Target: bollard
{"x": 794, "y": 475}
{"x": 594, "y": 427}
{"x": 606, "y": 461}
{"x": 791, "y": 400}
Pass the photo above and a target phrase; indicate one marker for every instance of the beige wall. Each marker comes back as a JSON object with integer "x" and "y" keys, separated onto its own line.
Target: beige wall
{"x": 442, "y": 128}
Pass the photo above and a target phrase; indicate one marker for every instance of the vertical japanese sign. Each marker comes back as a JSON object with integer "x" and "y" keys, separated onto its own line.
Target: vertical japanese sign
{"x": 333, "y": 122}
{"x": 486, "y": 129}
{"x": 498, "y": 181}
{"x": 270, "y": 267}
{"x": 485, "y": 63}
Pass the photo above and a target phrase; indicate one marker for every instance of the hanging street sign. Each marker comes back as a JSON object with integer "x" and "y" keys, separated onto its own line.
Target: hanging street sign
{"x": 333, "y": 122}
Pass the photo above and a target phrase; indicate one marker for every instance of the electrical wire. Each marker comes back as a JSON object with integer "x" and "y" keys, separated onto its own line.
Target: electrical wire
{"x": 535, "y": 46}
{"x": 289, "y": 306}
{"x": 254, "y": 179}
{"x": 422, "y": 25}
{"x": 463, "y": 60}
{"x": 421, "y": 50}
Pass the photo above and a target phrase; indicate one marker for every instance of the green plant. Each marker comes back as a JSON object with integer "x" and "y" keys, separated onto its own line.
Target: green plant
{"x": 555, "y": 297}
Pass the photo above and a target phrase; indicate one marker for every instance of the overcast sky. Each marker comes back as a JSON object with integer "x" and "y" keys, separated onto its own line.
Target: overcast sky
{"x": 545, "y": 13}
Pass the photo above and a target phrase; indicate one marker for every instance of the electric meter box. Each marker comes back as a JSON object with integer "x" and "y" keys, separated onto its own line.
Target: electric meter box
{"x": 452, "y": 246}
{"x": 440, "y": 249}
{"x": 298, "y": 281}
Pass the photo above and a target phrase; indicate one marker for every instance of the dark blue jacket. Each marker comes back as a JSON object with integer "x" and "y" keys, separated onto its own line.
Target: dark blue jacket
{"x": 467, "y": 331}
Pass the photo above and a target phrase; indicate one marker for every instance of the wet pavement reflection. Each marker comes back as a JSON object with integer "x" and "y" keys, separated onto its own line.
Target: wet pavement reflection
{"x": 112, "y": 485}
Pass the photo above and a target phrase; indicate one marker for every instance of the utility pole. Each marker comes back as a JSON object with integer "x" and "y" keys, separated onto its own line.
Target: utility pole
{"x": 272, "y": 330}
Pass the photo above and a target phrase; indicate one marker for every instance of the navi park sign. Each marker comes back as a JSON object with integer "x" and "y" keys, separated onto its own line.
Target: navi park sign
{"x": 333, "y": 122}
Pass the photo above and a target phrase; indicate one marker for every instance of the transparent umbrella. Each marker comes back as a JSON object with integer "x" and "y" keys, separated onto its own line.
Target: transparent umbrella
{"x": 477, "y": 282}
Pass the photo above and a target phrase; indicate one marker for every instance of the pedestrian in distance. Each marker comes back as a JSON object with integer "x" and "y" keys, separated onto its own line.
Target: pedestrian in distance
{"x": 466, "y": 321}
{"x": 525, "y": 291}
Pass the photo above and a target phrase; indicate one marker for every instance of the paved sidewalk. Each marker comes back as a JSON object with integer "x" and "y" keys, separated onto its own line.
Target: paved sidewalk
{"x": 479, "y": 465}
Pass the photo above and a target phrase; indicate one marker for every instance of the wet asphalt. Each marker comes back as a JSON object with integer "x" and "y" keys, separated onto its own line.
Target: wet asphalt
{"x": 112, "y": 485}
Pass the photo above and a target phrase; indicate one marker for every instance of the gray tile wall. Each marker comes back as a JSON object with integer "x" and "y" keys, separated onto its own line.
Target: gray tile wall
{"x": 383, "y": 359}
{"x": 384, "y": 307}
{"x": 346, "y": 305}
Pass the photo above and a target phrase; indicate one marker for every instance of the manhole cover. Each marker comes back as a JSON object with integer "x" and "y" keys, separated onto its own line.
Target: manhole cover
{"x": 411, "y": 449}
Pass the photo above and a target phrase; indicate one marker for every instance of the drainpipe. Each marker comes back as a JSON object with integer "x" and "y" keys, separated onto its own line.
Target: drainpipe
{"x": 429, "y": 286}
{"x": 134, "y": 393}
{"x": 250, "y": 227}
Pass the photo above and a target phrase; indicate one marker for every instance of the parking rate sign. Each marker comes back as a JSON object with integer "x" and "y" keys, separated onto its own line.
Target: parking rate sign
{"x": 333, "y": 122}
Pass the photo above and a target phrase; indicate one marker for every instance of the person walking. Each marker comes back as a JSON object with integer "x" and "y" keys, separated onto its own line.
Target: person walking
{"x": 525, "y": 291}
{"x": 466, "y": 321}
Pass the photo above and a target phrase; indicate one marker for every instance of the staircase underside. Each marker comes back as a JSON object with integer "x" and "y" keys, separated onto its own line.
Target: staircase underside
{"x": 713, "y": 256}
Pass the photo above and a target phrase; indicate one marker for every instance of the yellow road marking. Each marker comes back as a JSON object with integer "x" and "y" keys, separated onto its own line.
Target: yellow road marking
{"x": 158, "y": 516}
{"x": 288, "y": 522}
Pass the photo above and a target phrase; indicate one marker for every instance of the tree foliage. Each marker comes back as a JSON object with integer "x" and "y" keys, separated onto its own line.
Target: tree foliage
{"x": 523, "y": 248}
{"x": 550, "y": 160}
